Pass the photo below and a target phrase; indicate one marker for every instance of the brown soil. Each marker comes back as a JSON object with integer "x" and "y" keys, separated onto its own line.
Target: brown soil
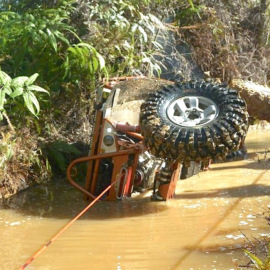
{"x": 132, "y": 95}
{"x": 20, "y": 164}
{"x": 138, "y": 89}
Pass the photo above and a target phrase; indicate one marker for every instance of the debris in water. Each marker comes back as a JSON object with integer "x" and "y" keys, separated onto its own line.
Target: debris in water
{"x": 192, "y": 206}
{"x": 242, "y": 222}
{"x": 15, "y": 223}
{"x": 264, "y": 234}
{"x": 230, "y": 236}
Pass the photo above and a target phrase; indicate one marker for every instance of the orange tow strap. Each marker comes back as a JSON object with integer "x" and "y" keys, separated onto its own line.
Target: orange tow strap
{"x": 41, "y": 250}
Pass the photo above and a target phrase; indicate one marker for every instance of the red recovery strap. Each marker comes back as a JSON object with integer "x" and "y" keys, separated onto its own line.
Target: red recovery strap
{"x": 42, "y": 249}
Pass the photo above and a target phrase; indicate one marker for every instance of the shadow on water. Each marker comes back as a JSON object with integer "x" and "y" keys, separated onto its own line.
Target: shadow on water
{"x": 255, "y": 190}
{"x": 252, "y": 163}
{"x": 58, "y": 199}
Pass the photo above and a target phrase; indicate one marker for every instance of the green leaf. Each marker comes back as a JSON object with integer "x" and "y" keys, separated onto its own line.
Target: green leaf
{"x": 19, "y": 81}
{"x": 95, "y": 64}
{"x": 90, "y": 66}
{"x": 18, "y": 92}
{"x": 31, "y": 79}
{"x": 157, "y": 45}
{"x": 72, "y": 50}
{"x": 82, "y": 56}
{"x": 191, "y": 4}
{"x": 143, "y": 33}
{"x": 134, "y": 27}
{"x": 91, "y": 48}
{"x": 256, "y": 261}
{"x": 155, "y": 20}
{"x": 43, "y": 35}
{"x": 34, "y": 101}
{"x": 60, "y": 36}
{"x": 52, "y": 39}
{"x": 38, "y": 89}
{"x": 72, "y": 32}
{"x": 101, "y": 61}
{"x": 2, "y": 98}
{"x": 66, "y": 67}
{"x": 28, "y": 103}
{"x": 8, "y": 90}
{"x": 4, "y": 78}
{"x": 59, "y": 159}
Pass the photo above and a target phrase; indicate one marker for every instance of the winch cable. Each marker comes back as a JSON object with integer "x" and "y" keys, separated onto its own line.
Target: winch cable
{"x": 42, "y": 249}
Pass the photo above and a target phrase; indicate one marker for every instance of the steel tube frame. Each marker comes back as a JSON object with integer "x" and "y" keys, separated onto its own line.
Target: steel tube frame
{"x": 95, "y": 157}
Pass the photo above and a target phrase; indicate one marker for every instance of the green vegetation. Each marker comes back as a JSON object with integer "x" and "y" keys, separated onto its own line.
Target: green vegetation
{"x": 14, "y": 91}
{"x": 72, "y": 45}
{"x": 258, "y": 263}
{"x": 77, "y": 43}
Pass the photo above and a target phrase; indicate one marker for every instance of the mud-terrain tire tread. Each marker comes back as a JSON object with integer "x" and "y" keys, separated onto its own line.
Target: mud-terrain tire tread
{"x": 213, "y": 140}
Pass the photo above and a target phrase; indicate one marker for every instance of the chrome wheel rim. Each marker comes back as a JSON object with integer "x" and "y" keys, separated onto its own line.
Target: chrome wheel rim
{"x": 192, "y": 111}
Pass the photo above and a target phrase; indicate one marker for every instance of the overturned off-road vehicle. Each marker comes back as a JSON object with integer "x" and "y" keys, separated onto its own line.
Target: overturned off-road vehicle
{"x": 150, "y": 133}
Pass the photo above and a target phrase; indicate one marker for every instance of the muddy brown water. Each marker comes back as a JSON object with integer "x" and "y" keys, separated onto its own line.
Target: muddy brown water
{"x": 205, "y": 227}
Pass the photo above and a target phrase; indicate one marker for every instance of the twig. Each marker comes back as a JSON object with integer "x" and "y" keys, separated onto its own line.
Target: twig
{"x": 247, "y": 239}
{"x": 195, "y": 26}
{"x": 9, "y": 122}
{"x": 245, "y": 266}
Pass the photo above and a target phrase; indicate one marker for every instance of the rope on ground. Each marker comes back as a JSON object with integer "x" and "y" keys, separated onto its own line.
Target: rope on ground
{"x": 41, "y": 250}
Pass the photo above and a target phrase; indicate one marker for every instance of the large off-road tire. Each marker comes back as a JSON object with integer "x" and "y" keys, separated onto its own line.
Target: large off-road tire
{"x": 196, "y": 120}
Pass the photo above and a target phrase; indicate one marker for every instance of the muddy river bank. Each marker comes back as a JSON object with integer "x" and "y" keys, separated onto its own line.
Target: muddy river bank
{"x": 213, "y": 216}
